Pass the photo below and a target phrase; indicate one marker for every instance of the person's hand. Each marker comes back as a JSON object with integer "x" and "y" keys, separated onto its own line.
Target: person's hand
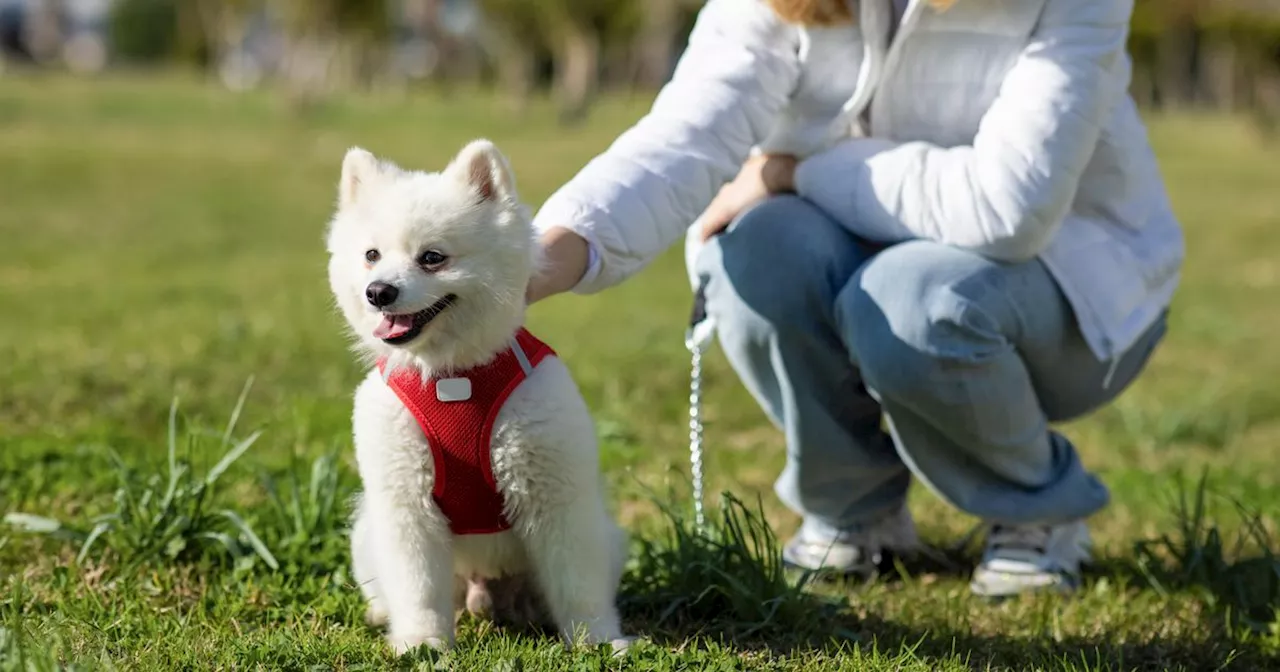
{"x": 761, "y": 176}
{"x": 565, "y": 258}
{"x": 566, "y": 254}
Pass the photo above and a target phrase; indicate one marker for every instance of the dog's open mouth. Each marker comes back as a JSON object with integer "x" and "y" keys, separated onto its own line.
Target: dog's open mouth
{"x": 400, "y": 329}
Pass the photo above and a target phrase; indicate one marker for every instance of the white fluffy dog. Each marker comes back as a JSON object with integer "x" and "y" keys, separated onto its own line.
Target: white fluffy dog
{"x": 430, "y": 271}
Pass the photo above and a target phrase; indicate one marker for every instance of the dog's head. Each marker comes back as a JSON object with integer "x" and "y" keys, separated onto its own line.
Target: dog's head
{"x": 431, "y": 268}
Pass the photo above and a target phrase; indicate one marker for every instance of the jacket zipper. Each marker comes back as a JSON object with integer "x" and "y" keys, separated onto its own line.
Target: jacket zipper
{"x": 878, "y": 61}
{"x": 910, "y": 19}
{"x": 867, "y": 74}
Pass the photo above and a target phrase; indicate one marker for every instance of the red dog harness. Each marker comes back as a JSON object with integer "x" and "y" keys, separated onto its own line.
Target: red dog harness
{"x": 457, "y": 414}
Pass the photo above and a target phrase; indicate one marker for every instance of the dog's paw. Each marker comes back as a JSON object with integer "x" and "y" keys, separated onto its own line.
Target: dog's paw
{"x": 479, "y": 599}
{"x": 404, "y": 643}
{"x": 622, "y": 645}
{"x": 511, "y": 601}
{"x": 582, "y": 637}
{"x": 375, "y": 616}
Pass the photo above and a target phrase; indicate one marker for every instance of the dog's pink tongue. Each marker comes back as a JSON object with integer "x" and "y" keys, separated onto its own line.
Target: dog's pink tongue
{"x": 393, "y": 326}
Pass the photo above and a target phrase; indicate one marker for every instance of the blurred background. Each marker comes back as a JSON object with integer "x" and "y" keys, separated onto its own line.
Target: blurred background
{"x": 313, "y": 48}
{"x": 167, "y": 168}
{"x": 1219, "y": 54}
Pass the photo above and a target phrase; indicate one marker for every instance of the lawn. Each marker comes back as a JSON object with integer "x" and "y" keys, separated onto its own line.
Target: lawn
{"x": 161, "y": 243}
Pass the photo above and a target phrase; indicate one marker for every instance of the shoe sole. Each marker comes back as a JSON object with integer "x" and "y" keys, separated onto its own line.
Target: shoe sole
{"x": 833, "y": 573}
{"x": 862, "y": 572}
{"x": 997, "y": 589}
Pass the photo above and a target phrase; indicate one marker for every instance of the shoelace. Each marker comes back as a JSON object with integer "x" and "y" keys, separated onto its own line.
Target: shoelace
{"x": 1024, "y": 537}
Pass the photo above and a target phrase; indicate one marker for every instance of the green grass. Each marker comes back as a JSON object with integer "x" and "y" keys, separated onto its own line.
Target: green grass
{"x": 162, "y": 241}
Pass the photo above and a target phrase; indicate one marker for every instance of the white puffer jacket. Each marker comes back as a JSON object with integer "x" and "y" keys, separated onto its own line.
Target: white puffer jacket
{"x": 1001, "y": 126}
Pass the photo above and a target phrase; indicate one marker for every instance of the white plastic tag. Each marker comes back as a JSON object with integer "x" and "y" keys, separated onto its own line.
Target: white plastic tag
{"x": 453, "y": 389}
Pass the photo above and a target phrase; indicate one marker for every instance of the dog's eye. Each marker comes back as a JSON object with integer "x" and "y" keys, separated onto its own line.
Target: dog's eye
{"x": 372, "y": 256}
{"x": 431, "y": 258}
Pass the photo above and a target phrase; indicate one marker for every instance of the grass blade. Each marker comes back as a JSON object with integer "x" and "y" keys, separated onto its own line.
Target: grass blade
{"x": 97, "y": 531}
{"x": 272, "y": 492}
{"x": 295, "y": 498}
{"x": 231, "y": 456}
{"x": 235, "y": 412}
{"x": 173, "y": 455}
{"x": 259, "y": 547}
{"x": 227, "y": 542}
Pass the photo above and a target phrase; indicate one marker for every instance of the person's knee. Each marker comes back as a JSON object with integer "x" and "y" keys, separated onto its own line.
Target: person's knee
{"x": 781, "y": 262}
{"x": 918, "y": 307}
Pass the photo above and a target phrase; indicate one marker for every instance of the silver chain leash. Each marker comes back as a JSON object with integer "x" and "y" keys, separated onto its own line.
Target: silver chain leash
{"x": 697, "y": 340}
{"x": 695, "y": 431}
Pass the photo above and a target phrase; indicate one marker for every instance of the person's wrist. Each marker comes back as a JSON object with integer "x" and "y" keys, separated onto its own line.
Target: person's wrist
{"x": 566, "y": 256}
{"x": 779, "y": 173}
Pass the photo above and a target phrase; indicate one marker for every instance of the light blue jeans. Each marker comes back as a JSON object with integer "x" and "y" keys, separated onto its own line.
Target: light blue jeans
{"x": 968, "y": 359}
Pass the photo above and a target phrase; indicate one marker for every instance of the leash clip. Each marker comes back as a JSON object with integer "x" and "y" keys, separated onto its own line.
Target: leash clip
{"x": 702, "y": 329}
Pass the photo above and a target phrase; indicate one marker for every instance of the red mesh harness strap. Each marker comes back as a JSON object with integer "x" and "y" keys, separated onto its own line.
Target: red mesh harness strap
{"x": 456, "y": 414}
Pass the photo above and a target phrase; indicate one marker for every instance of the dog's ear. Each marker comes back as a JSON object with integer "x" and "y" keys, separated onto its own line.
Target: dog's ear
{"x": 485, "y": 170}
{"x": 359, "y": 167}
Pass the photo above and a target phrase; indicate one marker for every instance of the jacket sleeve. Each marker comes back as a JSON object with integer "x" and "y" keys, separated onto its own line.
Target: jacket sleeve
{"x": 1005, "y": 196}
{"x": 639, "y": 196}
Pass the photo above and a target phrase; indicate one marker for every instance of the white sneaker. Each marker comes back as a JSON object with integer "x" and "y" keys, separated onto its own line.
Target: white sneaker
{"x": 859, "y": 550}
{"x": 1025, "y": 558}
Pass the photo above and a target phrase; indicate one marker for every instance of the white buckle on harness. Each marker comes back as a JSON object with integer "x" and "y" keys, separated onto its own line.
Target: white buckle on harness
{"x": 453, "y": 389}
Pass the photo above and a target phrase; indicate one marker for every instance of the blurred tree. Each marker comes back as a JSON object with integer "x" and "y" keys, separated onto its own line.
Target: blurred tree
{"x": 1214, "y": 53}
{"x": 196, "y": 32}
{"x": 332, "y": 43}
{"x": 153, "y": 30}
{"x": 190, "y": 40}
{"x": 1176, "y": 47}
{"x": 573, "y": 32}
{"x": 1223, "y": 54}
{"x": 222, "y": 25}
{"x": 516, "y": 34}
{"x": 433, "y": 47}
{"x": 43, "y": 31}
{"x": 659, "y": 43}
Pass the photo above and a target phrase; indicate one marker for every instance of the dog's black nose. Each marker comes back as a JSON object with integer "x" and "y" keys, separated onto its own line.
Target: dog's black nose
{"x": 380, "y": 294}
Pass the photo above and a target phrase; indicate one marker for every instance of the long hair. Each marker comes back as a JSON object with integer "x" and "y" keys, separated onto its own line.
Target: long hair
{"x": 824, "y": 12}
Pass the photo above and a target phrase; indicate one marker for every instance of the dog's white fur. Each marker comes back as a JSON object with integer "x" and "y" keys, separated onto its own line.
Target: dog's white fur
{"x": 411, "y": 568}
